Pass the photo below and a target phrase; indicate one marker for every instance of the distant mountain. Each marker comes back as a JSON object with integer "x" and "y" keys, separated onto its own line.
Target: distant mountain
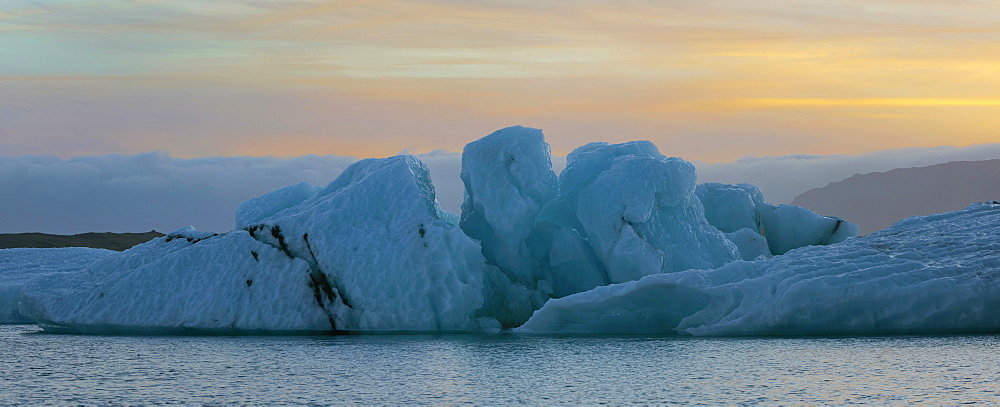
{"x": 877, "y": 200}
{"x": 112, "y": 241}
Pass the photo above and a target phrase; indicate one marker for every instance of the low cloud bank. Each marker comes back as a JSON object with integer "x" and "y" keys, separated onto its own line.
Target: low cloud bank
{"x": 136, "y": 193}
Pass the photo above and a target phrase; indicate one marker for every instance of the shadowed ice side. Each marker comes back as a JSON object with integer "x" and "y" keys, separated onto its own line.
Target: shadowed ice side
{"x": 622, "y": 241}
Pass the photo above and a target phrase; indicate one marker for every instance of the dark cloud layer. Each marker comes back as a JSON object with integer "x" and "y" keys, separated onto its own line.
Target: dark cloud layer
{"x": 132, "y": 193}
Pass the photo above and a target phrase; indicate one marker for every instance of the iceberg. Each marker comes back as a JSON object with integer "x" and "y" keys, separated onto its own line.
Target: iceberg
{"x": 621, "y": 241}
{"x": 930, "y": 274}
{"x": 20, "y": 267}
{"x": 618, "y": 212}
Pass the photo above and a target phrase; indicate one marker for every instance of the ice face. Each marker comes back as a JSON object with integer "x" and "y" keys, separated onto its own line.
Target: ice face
{"x": 508, "y": 178}
{"x": 932, "y": 274}
{"x": 19, "y": 267}
{"x": 367, "y": 253}
{"x": 624, "y": 211}
{"x": 379, "y": 255}
{"x": 731, "y": 208}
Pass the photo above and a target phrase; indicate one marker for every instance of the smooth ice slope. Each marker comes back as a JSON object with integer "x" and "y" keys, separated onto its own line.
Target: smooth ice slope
{"x": 624, "y": 211}
{"x": 183, "y": 281}
{"x": 381, "y": 257}
{"x": 931, "y": 274}
{"x": 259, "y": 208}
{"x": 731, "y": 208}
{"x": 19, "y": 267}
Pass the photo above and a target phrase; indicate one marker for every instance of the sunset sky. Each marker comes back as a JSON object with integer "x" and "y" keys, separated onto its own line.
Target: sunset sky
{"x": 704, "y": 80}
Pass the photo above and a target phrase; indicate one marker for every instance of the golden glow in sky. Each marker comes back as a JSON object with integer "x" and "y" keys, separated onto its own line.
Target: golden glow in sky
{"x": 706, "y": 80}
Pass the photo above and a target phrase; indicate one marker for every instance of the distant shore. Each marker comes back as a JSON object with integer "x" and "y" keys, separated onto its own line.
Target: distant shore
{"x": 105, "y": 240}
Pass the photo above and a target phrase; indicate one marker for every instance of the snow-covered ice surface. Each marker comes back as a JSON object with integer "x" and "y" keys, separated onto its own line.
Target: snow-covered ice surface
{"x": 18, "y": 267}
{"x": 931, "y": 274}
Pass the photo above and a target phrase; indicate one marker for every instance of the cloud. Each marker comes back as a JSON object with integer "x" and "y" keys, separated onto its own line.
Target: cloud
{"x": 135, "y": 193}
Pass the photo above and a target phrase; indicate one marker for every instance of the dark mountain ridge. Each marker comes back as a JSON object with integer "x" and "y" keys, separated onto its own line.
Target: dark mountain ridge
{"x": 877, "y": 200}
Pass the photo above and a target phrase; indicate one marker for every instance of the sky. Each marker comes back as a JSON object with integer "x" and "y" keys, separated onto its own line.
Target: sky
{"x": 147, "y": 114}
{"x": 710, "y": 81}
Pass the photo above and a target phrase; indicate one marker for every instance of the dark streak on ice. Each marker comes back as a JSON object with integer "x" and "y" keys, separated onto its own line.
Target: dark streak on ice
{"x": 321, "y": 285}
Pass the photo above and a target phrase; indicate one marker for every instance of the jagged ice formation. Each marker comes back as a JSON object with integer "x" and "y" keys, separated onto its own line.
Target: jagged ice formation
{"x": 622, "y": 241}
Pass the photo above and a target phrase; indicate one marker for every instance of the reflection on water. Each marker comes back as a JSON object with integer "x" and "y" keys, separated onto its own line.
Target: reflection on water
{"x": 499, "y": 369}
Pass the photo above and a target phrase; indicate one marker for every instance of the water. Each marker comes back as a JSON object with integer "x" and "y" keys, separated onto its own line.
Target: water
{"x": 42, "y": 368}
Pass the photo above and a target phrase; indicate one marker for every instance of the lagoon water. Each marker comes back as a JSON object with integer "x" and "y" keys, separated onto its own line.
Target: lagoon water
{"x": 44, "y": 368}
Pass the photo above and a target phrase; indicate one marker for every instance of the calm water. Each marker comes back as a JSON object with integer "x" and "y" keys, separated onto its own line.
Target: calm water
{"x": 503, "y": 369}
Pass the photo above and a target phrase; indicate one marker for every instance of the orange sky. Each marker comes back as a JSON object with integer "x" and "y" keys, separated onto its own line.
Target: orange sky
{"x": 711, "y": 81}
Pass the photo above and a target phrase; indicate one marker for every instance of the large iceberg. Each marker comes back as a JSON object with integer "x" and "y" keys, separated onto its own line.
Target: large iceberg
{"x": 931, "y": 274}
{"x": 621, "y": 241}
